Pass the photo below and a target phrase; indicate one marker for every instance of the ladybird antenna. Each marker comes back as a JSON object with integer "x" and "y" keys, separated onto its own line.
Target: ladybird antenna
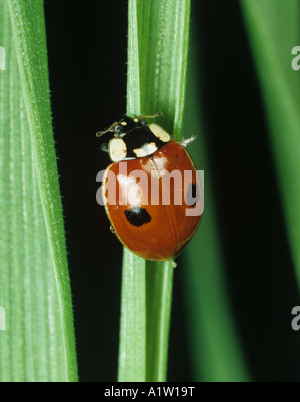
{"x": 151, "y": 116}
{"x": 110, "y": 128}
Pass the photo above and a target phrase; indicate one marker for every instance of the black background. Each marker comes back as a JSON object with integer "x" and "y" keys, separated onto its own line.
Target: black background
{"x": 87, "y": 59}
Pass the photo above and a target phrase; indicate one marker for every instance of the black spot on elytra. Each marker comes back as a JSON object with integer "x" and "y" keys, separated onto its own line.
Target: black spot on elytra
{"x": 193, "y": 194}
{"x": 137, "y": 216}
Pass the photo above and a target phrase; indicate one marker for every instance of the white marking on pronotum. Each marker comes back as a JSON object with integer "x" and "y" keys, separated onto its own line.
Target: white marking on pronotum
{"x": 2, "y": 59}
{"x": 146, "y": 149}
{"x": 159, "y": 132}
{"x": 117, "y": 149}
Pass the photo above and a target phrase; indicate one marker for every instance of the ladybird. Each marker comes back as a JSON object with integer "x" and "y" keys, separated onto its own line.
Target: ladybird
{"x": 151, "y": 191}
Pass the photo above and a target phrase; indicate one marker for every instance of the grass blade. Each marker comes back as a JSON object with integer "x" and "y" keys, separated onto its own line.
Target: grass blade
{"x": 132, "y": 347}
{"x": 215, "y": 348}
{"x": 159, "y": 300}
{"x": 163, "y": 35}
{"x": 157, "y": 61}
{"x": 273, "y": 29}
{"x": 38, "y": 344}
{"x": 132, "y": 350}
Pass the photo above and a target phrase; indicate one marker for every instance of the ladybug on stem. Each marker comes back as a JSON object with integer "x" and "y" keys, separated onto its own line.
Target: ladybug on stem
{"x": 151, "y": 191}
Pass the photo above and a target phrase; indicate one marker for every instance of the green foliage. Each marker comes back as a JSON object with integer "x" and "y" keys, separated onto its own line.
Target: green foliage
{"x": 215, "y": 348}
{"x": 38, "y": 344}
{"x": 157, "y": 62}
{"x": 273, "y": 29}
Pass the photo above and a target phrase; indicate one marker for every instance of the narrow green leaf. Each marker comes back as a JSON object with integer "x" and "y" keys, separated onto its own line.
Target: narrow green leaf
{"x": 273, "y": 28}
{"x": 132, "y": 347}
{"x": 133, "y": 64}
{"x": 38, "y": 343}
{"x": 132, "y": 351}
{"x": 157, "y": 62}
{"x": 163, "y": 35}
{"x": 215, "y": 348}
{"x": 159, "y": 300}
{"x": 163, "y": 50}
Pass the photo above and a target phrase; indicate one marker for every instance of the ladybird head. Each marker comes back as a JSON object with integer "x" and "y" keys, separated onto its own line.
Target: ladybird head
{"x": 128, "y": 124}
{"x": 133, "y": 137}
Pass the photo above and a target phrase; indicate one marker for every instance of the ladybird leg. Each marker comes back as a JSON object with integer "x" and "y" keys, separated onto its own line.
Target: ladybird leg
{"x": 187, "y": 141}
{"x": 104, "y": 148}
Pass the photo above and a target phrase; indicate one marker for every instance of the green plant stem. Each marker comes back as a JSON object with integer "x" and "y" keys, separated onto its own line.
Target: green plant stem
{"x": 132, "y": 347}
{"x": 132, "y": 351}
{"x": 159, "y": 300}
{"x": 157, "y": 62}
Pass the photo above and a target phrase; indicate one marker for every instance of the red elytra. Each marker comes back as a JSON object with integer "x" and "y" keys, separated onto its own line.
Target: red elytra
{"x": 144, "y": 225}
